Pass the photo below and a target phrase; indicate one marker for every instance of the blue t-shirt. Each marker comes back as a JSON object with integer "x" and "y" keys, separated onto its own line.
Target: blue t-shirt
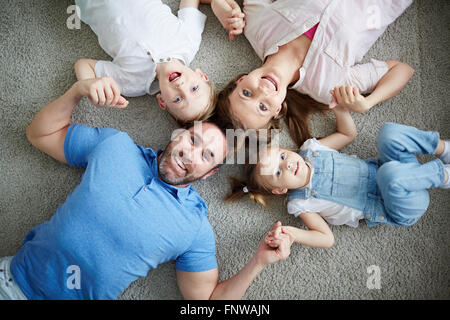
{"x": 116, "y": 225}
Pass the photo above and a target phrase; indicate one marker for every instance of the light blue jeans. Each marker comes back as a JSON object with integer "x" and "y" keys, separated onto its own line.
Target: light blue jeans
{"x": 9, "y": 290}
{"x": 402, "y": 180}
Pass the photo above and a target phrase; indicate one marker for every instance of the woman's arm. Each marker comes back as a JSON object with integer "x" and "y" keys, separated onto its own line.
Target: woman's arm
{"x": 318, "y": 235}
{"x": 390, "y": 84}
{"x": 387, "y": 87}
{"x": 346, "y": 130}
{"x": 85, "y": 69}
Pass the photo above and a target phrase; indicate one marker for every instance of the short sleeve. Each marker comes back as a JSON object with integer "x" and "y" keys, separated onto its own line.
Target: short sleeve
{"x": 314, "y": 145}
{"x": 81, "y": 140}
{"x": 366, "y": 76}
{"x": 193, "y": 22}
{"x": 201, "y": 256}
{"x": 131, "y": 83}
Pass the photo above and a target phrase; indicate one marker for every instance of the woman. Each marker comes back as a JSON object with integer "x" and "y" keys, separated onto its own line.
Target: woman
{"x": 311, "y": 51}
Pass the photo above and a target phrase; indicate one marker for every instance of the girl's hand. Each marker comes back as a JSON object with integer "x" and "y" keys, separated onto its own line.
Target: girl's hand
{"x": 230, "y": 16}
{"x": 101, "y": 92}
{"x": 268, "y": 254}
{"x": 349, "y": 97}
{"x": 275, "y": 237}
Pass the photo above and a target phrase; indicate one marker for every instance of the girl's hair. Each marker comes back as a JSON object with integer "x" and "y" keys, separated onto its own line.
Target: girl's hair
{"x": 207, "y": 113}
{"x": 255, "y": 190}
{"x": 296, "y": 116}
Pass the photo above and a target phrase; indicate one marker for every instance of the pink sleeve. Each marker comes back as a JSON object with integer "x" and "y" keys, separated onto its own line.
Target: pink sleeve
{"x": 366, "y": 76}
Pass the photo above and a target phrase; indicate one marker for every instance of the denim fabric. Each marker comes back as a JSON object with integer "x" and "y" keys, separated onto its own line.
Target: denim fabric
{"x": 390, "y": 189}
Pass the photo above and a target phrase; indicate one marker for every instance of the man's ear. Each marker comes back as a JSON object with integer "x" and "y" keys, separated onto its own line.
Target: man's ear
{"x": 279, "y": 190}
{"x": 161, "y": 102}
{"x": 202, "y": 74}
{"x": 210, "y": 173}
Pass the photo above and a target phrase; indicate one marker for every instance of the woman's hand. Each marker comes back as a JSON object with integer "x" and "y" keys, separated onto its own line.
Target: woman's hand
{"x": 101, "y": 92}
{"x": 349, "y": 97}
{"x": 230, "y": 16}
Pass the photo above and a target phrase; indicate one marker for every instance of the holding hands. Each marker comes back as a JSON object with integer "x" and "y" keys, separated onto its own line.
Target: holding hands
{"x": 230, "y": 16}
{"x": 275, "y": 246}
{"x": 350, "y": 98}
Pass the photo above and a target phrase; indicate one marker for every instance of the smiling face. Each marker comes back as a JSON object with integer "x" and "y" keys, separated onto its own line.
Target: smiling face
{"x": 281, "y": 170}
{"x": 258, "y": 97}
{"x": 192, "y": 154}
{"x": 185, "y": 93}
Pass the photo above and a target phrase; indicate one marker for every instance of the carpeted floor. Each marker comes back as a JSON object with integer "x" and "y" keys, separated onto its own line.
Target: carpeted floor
{"x": 37, "y": 56}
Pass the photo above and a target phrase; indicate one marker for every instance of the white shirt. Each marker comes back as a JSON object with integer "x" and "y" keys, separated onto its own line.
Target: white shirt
{"x": 332, "y": 212}
{"x": 347, "y": 30}
{"x": 139, "y": 34}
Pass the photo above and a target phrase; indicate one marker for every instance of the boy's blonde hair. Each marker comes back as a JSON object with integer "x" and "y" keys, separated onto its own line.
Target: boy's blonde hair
{"x": 207, "y": 113}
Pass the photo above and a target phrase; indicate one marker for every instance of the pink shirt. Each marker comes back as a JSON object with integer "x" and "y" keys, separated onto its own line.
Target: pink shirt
{"x": 311, "y": 32}
{"x": 347, "y": 30}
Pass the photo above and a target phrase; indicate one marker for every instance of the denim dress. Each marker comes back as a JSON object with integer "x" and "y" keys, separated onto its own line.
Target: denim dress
{"x": 346, "y": 180}
{"x": 391, "y": 189}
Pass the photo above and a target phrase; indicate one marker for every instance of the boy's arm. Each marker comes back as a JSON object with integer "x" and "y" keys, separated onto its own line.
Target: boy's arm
{"x": 204, "y": 285}
{"x": 229, "y": 15}
{"x": 85, "y": 69}
{"x": 190, "y": 3}
{"x": 346, "y": 130}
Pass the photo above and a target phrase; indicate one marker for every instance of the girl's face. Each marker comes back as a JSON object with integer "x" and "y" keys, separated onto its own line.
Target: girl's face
{"x": 257, "y": 98}
{"x": 281, "y": 170}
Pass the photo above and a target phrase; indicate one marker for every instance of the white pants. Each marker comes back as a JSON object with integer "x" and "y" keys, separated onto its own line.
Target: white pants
{"x": 9, "y": 290}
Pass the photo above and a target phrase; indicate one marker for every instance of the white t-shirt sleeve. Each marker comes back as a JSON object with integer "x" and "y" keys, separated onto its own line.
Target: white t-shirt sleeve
{"x": 313, "y": 144}
{"x": 131, "y": 83}
{"x": 193, "y": 23}
{"x": 366, "y": 76}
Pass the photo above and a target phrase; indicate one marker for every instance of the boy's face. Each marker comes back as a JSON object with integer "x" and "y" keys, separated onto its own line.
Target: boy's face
{"x": 281, "y": 170}
{"x": 184, "y": 92}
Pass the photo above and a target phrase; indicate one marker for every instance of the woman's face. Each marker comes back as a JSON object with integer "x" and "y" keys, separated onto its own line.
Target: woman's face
{"x": 257, "y": 98}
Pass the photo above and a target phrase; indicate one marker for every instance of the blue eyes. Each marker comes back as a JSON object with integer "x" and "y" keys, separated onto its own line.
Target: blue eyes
{"x": 246, "y": 93}
{"x": 177, "y": 99}
{"x": 262, "y": 107}
{"x": 283, "y": 156}
{"x": 195, "y": 88}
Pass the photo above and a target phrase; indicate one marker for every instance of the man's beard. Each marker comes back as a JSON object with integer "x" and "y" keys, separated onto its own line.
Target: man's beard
{"x": 164, "y": 174}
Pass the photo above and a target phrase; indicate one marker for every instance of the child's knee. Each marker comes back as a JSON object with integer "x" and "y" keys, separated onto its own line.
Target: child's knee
{"x": 390, "y": 135}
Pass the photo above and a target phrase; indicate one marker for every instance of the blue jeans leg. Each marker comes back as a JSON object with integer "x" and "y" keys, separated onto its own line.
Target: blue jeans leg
{"x": 399, "y": 142}
{"x": 403, "y": 187}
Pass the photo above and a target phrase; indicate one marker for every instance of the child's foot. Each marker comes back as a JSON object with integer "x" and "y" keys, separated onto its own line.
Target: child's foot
{"x": 446, "y": 185}
{"x": 445, "y": 156}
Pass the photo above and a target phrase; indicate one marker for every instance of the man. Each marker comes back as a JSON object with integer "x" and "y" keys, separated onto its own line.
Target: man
{"x": 133, "y": 210}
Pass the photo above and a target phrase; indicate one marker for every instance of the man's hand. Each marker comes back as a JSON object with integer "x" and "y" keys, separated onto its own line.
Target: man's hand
{"x": 230, "y": 16}
{"x": 275, "y": 246}
{"x": 101, "y": 92}
{"x": 349, "y": 97}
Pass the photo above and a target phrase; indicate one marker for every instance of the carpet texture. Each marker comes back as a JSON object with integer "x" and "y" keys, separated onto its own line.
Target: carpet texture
{"x": 37, "y": 56}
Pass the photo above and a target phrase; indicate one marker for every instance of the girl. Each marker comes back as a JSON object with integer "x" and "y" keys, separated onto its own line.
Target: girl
{"x": 311, "y": 53}
{"x": 151, "y": 50}
{"x": 325, "y": 185}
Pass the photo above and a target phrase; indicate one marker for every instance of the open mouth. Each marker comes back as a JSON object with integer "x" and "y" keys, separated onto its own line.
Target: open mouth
{"x": 271, "y": 81}
{"x": 180, "y": 163}
{"x": 296, "y": 170}
{"x": 173, "y": 76}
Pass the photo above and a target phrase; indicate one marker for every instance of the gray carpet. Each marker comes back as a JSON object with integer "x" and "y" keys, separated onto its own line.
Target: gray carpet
{"x": 37, "y": 56}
